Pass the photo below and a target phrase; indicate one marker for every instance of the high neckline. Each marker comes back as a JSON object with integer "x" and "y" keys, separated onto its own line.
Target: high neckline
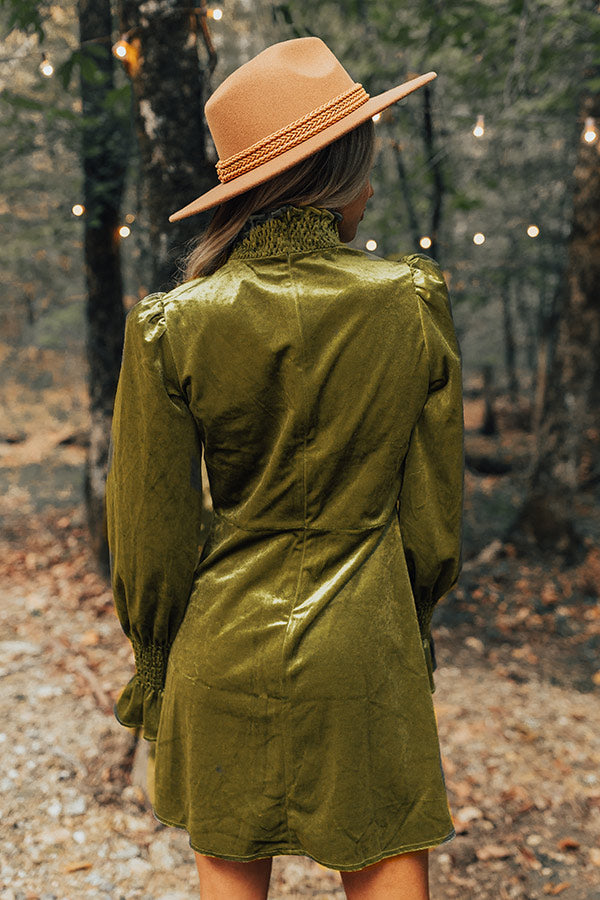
{"x": 288, "y": 230}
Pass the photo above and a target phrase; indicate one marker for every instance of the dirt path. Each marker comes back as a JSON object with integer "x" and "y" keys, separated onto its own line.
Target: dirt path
{"x": 522, "y": 758}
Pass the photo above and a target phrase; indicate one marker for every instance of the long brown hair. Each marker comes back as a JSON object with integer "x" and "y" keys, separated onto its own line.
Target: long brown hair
{"x": 331, "y": 178}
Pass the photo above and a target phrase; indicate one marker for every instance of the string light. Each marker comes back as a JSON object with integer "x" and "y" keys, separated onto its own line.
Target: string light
{"x": 479, "y": 238}
{"x": 589, "y": 132}
{"x": 371, "y": 245}
{"x": 78, "y": 209}
{"x": 425, "y": 242}
{"x": 376, "y": 117}
{"x": 479, "y": 129}
{"x": 129, "y": 218}
{"x": 46, "y": 67}
{"x": 128, "y": 53}
{"x": 215, "y": 13}
{"x": 533, "y": 231}
{"x": 124, "y": 231}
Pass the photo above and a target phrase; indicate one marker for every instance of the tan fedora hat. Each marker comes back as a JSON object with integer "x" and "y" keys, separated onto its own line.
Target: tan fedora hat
{"x": 279, "y": 108}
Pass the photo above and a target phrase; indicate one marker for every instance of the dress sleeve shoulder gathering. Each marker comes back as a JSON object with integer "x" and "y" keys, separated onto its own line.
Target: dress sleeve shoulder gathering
{"x": 153, "y": 507}
{"x": 430, "y": 507}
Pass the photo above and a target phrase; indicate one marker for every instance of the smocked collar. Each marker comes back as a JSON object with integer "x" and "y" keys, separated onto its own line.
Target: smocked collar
{"x": 289, "y": 229}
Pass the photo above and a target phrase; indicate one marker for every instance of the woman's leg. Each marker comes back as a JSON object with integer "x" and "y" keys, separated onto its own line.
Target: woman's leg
{"x": 222, "y": 879}
{"x": 403, "y": 877}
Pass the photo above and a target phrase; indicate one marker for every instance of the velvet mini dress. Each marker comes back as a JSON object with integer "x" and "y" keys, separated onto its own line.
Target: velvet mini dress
{"x": 284, "y": 668}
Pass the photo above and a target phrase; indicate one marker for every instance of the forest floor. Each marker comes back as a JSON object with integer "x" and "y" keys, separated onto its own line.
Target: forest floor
{"x": 516, "y": 698}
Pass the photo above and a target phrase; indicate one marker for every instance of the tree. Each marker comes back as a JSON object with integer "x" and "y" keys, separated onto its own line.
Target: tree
{"x": 568, "y": 439}
{"x": 168, "y": 79}
{"x": 102, "y": 133}
{"x": 104, "y": 160}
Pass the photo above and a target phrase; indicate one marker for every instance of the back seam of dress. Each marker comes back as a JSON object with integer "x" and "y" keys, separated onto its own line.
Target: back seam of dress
{"x": 304, "y": 393}
{"x": 286, "y": 693}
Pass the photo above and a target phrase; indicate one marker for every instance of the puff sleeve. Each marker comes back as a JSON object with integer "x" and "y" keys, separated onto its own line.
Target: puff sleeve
{"x": 153, "y": 508}
{"x": 430, "y": 507}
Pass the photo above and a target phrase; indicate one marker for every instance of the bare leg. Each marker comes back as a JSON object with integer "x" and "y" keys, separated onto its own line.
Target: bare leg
{"x": 403, "y": 877}
{"x": 222, "y": 879}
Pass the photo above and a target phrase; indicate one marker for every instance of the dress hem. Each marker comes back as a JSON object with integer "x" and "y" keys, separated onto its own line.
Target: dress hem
{"x": 288, "y": 851}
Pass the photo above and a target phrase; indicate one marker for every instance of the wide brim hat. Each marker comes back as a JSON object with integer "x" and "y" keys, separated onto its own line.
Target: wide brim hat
{"x": 278, "y": 109}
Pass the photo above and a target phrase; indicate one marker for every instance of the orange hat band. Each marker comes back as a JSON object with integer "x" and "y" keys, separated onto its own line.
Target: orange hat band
{"x": 292, "y": 135}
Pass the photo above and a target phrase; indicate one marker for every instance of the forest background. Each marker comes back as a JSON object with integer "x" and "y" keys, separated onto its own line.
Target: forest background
{"x": 494, "y": 171}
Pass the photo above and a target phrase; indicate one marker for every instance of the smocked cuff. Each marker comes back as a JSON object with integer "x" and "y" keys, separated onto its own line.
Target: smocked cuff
{"x": 424, "y": 616}
{"x": 139, "y": 704}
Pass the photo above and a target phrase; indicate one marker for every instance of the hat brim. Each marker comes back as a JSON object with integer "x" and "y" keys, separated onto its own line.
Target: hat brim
{"x": 289, "y": 158}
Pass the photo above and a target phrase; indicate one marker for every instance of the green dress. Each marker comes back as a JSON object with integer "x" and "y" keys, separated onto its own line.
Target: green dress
{"x": 286, "y": 672}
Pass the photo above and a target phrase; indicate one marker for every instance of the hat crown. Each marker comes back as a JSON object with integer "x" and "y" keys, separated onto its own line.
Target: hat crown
{"x": 282, "y": 84}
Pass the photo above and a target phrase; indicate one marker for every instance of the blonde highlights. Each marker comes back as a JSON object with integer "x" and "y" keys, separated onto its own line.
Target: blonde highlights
{"x": 331, "y": 178}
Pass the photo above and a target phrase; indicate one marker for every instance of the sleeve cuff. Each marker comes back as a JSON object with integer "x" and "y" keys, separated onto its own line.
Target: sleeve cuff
{"x": 139, "y": 707}
{"x": 140, "y": 702}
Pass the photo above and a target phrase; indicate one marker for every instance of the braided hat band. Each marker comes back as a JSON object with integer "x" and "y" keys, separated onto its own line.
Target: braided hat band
{"x": 293, "y": 134}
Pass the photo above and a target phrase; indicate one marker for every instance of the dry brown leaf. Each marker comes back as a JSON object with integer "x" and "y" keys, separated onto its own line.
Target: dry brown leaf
{"x": 90, "y": 638}
{"x": 492, "y": 851}
{"x": 568, "y": 843}
{"x": 550, "y": 888}
{"x": 529, "y": 858}
{"x": 78, "y": 867}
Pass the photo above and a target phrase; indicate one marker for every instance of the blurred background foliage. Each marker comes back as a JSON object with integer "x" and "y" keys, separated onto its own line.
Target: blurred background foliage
{"x": 521, "y": 66}
{"x": 479, "y": 170}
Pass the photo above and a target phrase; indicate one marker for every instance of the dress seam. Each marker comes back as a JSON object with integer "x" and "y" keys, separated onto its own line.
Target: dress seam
{"x": 305, "y": 527}
{"x": 285, "y": 684}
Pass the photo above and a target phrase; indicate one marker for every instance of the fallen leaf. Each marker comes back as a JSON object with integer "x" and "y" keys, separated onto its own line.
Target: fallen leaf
{"x": 468, "y": 813}
{"x": 78, "y": 867}
{"x": 550, "y": 888}
{"x": 492, "y": 851}
{"x": 90, "y": 638}
{"x": 530, "y": 858}
{"x": 568, "y": 843}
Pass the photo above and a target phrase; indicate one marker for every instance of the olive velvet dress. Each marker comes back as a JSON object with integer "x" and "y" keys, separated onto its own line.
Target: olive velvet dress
{"x": 286, "y": 672}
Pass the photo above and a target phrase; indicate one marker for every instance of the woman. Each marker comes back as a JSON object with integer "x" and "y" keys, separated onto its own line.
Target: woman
{"x": 286, "y": 674}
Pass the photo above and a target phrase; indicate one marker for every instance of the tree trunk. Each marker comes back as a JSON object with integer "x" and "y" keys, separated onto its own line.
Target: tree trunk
{"x": 568, "y": 438}
{"x": 104, "y": 143}
{"x": 508, "y": 327}
{"x": 437, "y": 176}
{"x": 489, "y": 425}
{"x": 168, "y": 83}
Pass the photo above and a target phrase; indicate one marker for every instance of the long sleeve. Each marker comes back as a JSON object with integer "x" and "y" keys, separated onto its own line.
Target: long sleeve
{"x": 430, "y": 505}
{"x": 153, "y": 507}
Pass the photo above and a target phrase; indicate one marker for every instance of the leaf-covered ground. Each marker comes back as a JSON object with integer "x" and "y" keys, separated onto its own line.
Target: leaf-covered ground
{"x": 516, "y": 689}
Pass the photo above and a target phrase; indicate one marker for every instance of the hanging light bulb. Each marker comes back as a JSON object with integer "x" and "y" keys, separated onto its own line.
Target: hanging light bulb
{"x": 425, "y": 242}
{"x": 215, "y": 13}
{"x": 590, "y": 133}
{"x": 128, "y": 53}
{"x": 78, "y": 209}
{"x": 533, "y": 231}
{"x": 376, "y": 117}
{"x": 479, "y": 129}
{"x": 46, "y": 67}
{"x": 120, "y": 49}
{"x": 479, "y": 238}
{"x": 124, "y": 231}
{"x": 371, "y": 245}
